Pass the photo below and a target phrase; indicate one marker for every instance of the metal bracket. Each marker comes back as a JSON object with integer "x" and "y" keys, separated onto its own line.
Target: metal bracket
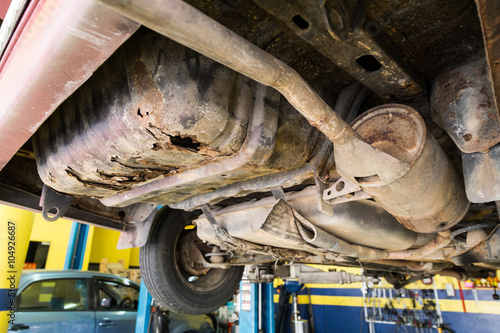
{"x": 324, "y": 206}
{"x": 136, "y": 235}
{"x": 54, "y": 205}
{"x": 344, "y": 191}
{"x": 278, "y": 193}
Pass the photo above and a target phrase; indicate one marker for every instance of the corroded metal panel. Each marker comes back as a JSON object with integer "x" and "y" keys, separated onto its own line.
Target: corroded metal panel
{"x": 463, "y": 105}
{"x": 170, "y": 124}
{"x": 489, "y": 13}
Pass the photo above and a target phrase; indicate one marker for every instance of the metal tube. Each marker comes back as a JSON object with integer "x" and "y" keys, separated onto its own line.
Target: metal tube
{"x": 324, "y": 240}
{"x": 353, "y": 222}
{"x": 183, "y": 23}
{"x": 441, "y": 241}
{"x": 439, "y": 319}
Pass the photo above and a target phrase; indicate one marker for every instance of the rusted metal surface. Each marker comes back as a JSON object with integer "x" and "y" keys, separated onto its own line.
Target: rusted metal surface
{"x": 191, "y": 254}
{"x": 324, "y": 240}
{"x": 354, "y": 222}
{"x": 71, "y": 40}
{"x": 482, "y": 175}
{"x": 462, "y": 103}
{"x": 136, "y": 235}
{"x": 489, "y": 12}
{"x": 183, "y": 23}
{"x": 344, "y": 191}
{"x": 16, "y": 198}
{"x": 429, "y": 36}
{"x": 21, "y": 185}
{"x": 170, "y": 112}
{"x": 442, "y": 240}
{"x": 487, "y": 251}
{"x": 53, "y": 204}
{"x": 242, "y": 188}
{"x": 152, "y": 109}
{"x": 321, "y": 163}
{"x": 340, "y": 36}
{"x": 277, "y": 224}
{"x": 255, "y": 150}
{"x": 430, "y": 197}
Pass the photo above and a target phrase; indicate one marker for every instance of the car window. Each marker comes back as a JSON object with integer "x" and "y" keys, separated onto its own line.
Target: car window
{"x": 55, "y": 295}
{"x": 113, "y": 295}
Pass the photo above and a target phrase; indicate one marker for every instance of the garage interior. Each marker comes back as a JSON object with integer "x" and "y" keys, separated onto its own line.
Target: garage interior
{"x": 346, "y": 306}
{"x": 249, "y": 166}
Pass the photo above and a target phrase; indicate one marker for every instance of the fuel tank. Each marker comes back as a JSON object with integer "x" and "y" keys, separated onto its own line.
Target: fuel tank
{"x": 155, "y": 110}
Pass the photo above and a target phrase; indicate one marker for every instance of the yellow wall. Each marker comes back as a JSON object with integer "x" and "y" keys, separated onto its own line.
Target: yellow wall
{"x": 101, "y": 243}
{"x": 15, "y": 229}
{"x": 86, "y": 257}
{"x": 57, "y": 233}
{"x": 104, "y": 246}
{"x": 134, "y": 257}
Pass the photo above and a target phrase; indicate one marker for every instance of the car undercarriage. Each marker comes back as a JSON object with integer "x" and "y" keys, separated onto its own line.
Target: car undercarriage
{"x": 356, "y": 133}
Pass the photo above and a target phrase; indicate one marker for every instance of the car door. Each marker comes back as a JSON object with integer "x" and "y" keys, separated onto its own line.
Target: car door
{"x": 53, "y": 306}
{"x": 117, "y": 303}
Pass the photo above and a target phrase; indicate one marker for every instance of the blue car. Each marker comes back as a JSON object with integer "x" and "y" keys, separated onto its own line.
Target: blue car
{"x": 74, "y": 301}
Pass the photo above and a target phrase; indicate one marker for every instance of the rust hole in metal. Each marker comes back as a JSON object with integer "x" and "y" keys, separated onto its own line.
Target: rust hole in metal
{"x": 121, "y": 214}
{"x": 184, "y": 142}
{"x": 139, "y": 113}
{"x": 133, "y": 177}
{"x": 300, "y": 22}
{"x": 369, "y": 63}
{"x": 92, "y": 183}
{"x": 467, "y": 137}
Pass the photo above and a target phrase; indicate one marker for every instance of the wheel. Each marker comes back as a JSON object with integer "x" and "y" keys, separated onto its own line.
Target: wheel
{"x": 174, "y": 277}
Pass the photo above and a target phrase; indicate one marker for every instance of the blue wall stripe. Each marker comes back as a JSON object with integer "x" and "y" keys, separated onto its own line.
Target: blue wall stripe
{"x": 334, "y": 318}
{"x": 71, "y": 245}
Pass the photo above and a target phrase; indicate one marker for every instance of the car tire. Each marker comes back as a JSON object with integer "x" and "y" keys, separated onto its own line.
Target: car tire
{"x": 169, "y": 283}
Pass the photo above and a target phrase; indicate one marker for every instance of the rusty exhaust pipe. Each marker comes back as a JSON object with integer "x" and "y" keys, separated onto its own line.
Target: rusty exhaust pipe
{"x": 376, "y": 170}
{"x": 430, "y": 197}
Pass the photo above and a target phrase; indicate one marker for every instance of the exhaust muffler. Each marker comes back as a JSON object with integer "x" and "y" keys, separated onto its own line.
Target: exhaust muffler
{"x": 430, "y": 197}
